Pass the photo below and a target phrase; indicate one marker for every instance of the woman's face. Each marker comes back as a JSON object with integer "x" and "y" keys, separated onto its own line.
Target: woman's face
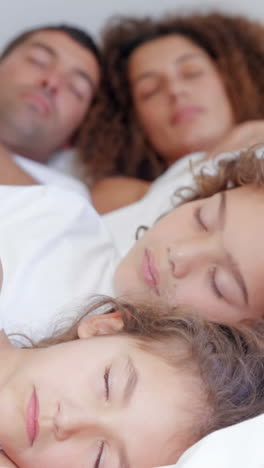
{"x": 95, "y": 403}
{"x": 207, "y": 253}
{"x": 179, "y": 97}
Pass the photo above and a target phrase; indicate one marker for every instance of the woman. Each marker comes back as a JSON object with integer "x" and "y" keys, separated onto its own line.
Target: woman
{"x": 171, "y": 87}
{"x": 97, "y": 402}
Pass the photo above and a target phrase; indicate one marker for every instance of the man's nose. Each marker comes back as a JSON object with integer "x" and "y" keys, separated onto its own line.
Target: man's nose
{"x": 187, "y": 255}
{"x": 51, "y": 80}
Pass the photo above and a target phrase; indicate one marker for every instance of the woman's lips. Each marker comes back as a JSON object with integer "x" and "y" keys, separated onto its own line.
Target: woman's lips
{"x": 149, "y": 272}
{"x": 32, "y": 413}
{"x": 185, "y": 114}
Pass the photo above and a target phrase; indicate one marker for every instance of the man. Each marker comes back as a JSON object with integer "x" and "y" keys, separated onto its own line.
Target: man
{"x": 48, "y": 79}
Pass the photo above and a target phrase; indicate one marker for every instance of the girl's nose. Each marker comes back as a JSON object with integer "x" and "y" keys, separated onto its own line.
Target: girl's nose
{"x": 187, "y": 255}
{"x": 71, "y": 419}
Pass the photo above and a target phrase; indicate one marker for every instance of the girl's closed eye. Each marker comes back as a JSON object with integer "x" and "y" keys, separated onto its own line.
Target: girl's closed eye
{"x": 199, "y": 218}
{"x": 213, "y": 282}
{"x": 99, "y": 456}
{"x": 106, "y": 382}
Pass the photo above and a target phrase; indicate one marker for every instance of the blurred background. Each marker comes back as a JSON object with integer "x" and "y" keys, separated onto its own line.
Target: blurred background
{"x": 17, "y": 15}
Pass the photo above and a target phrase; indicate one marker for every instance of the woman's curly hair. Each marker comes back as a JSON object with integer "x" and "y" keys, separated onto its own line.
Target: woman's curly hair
{"x": 112, "y": 141}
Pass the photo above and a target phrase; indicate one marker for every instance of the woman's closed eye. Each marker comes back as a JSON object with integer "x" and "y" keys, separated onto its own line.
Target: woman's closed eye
{"x": 146, "y": 94}
{"x": 191, "y": 74}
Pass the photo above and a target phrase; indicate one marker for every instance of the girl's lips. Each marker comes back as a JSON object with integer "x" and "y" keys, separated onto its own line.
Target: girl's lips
{"x": 32, "y": 413}
{"x": 149, "y": 272}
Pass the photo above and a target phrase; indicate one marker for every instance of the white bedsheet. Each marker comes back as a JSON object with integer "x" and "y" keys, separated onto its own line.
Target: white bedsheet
{"x": 239, "y": 446}
{"x": 59, "y": 172}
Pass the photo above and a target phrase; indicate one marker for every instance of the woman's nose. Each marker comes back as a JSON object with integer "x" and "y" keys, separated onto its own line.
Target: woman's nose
{"x": 190, "y": 254}
{"x": 176, "y": 88}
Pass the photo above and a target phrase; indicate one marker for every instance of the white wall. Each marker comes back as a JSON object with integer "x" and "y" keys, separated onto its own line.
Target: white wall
{"x": 16, "y": 15}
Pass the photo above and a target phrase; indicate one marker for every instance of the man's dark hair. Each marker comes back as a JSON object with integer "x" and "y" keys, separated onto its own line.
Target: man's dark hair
{"x": 77, "y": 34}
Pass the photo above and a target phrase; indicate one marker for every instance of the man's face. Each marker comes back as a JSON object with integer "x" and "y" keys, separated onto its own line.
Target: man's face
{"x": 47, "y": 84}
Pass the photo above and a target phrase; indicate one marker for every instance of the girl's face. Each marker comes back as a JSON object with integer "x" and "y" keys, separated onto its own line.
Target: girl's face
{"x": 95, "y": 403}
{"x": 207, "y": 253}
{"x": 179, "y": 96}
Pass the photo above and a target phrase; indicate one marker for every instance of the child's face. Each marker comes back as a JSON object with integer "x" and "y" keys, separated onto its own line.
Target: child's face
{"x": 101, "y": 402}
{"x": 208, "y": 253}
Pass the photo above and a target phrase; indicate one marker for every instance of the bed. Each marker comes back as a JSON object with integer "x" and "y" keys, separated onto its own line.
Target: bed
{"x": 238, "y": 446}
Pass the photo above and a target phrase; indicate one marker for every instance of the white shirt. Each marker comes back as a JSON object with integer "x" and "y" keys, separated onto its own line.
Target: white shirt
{"x": 55, "y": 252}
{"x": 52, "y": 173}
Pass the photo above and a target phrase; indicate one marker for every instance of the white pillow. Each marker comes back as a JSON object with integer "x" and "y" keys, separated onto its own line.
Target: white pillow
{"x": 239, "y": 446}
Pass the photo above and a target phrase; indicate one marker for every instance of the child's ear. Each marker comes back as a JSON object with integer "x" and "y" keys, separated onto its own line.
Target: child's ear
{"x": 96, "y": 325}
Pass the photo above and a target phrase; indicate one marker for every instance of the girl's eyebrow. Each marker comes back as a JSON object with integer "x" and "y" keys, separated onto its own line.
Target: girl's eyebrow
{"x": 131, "y": 380}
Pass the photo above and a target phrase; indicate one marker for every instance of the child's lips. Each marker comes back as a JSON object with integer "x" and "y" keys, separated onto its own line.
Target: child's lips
{"x": 149, "y": 272}
{"x": 32, "y": 413}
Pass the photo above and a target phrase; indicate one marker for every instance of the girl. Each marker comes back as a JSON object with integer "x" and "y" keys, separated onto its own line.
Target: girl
{"x": 206, "y": 253}
{"x": 96, "y": 401}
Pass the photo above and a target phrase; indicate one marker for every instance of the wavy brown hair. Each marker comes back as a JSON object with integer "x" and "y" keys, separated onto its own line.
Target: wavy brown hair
{"x": 244, "y": 168}
{"x": 112, "y": 141}
{"x": 225, "y": 363}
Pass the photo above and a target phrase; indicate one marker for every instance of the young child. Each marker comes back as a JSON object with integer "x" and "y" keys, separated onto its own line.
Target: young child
{"x": 134, "y": 397}
{"x": 208, "y": 253}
